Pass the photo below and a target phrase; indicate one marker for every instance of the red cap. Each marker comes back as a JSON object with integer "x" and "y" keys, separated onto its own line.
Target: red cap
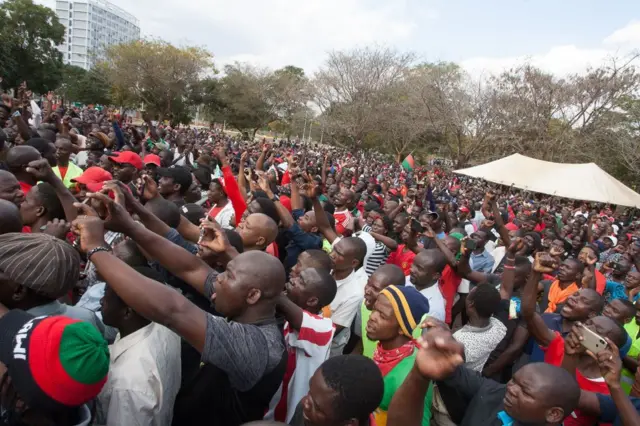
{"x": 151, "y": 159}
{"x": 128, "y": 157}
{"x": 93, "y": 178}
{"x": 464, "y": 209}
{"x": 286, "y": 202}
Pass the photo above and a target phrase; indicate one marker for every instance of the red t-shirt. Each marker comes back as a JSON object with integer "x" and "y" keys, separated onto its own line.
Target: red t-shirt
{"x": 554, "y": 354}
{"x": 63, "y": 171}
{"x": 214, "y": 212}
{"x": 403, "y": 259}
{"x": 449, "y": 282}
{"x": 343, "y": 222}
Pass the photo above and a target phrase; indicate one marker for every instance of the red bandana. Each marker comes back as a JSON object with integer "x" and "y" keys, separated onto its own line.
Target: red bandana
{"x": 386, "y": 360}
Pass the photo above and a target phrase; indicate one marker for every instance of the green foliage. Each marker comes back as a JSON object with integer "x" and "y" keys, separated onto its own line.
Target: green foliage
{"x": 29, "y": 34}
{"x": 249, "y": 98}
{"x": 157, "y": 74}
{"x": 87, "y": 87}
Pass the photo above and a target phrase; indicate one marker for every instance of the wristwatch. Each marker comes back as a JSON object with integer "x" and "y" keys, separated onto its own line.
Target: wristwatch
{"x": 96, "y": 250}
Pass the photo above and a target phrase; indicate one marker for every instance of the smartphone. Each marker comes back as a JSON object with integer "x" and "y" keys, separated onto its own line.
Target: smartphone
{"x": 471, "y": 244}
{"x": 416, "y": 227}
{"x": 592, "y": 341}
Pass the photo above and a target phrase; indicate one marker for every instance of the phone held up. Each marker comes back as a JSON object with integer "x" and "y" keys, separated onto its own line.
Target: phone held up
{"x": 592, "y": 341}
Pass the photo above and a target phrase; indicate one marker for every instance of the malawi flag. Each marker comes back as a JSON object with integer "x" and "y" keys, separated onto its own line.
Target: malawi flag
{"x": 409, "y": 162}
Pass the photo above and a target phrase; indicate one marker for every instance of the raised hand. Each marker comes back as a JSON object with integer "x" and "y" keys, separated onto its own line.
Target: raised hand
{"x": 439, "y": 354}
{"x": 544, "y": 264}
{"x": 516, "y": 245}
{"x": 222, "y": 156}
{"x": 610, "y": 363}
{"x": 7, "y": 101}
{"x": 90, "y": 230}
{"x": 41, "y": 170}
{"x": 148, "y": 188}
{"x": 57, "y": 228}
{"x": 117, "y": 218}
{"x": 573, "y": 340}
{"x": 428, "y": 232}
{"x": 213, "y": 237}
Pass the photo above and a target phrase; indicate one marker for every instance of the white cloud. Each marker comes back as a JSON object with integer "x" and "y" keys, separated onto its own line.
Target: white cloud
{"x": 274, "y": 33}
{"x": 563, "y": 60}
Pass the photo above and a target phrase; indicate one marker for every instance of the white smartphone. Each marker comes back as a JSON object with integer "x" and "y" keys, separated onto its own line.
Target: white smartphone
{"x": 592, "y": 341}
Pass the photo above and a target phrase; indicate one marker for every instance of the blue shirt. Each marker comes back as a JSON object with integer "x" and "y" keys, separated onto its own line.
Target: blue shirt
{"x": 609, "y": 412}
{"x": 299, "y": 241}
{"x": 614, "y": 290}
{"x": 482, "y": 262}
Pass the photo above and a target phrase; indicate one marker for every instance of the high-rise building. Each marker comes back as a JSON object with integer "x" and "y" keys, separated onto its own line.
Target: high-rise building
{"x": 91, "y": 26}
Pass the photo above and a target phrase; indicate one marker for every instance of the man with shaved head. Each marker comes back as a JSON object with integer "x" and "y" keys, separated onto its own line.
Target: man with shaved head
{"x": 18, "y": 158}
{"x": 257, "y": 231}
{"x": 10, "y": 220}
{"x": 243, "y": 353}
{"x": 10, "y": 188}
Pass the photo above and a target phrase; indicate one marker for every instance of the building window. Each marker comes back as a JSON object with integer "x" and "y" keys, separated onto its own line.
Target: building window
{"x": 70, "y": 6}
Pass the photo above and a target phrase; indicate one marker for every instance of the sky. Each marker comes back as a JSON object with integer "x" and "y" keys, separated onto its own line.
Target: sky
{"x": 485, "y": 37}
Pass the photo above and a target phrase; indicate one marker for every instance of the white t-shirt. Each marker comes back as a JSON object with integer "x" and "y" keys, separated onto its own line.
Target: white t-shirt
{"x": 308, "y": 349}
{"x": 345, "y": 305}
{"x": 436, "y": 301}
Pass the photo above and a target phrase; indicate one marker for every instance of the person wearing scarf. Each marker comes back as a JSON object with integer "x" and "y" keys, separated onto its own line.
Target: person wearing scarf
{"x": 566, "y": 284}
{"x": 393, "y": 322}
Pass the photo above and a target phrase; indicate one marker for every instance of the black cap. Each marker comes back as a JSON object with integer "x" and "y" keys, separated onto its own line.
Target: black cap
{"x": 203, "y": 175}
{"x": 180, "y": 175}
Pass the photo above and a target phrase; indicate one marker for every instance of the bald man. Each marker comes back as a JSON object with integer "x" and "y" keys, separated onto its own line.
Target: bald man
{"x": 10, "y": 220}
{"x": 244, "y": 353}
{"x": 10, "y": 189}
{"x": 18, "y": 158}
{"x": 257, "y": 231}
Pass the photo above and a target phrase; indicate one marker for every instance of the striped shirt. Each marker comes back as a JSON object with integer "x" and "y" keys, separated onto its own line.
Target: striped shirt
{"x": 378, "y": 256}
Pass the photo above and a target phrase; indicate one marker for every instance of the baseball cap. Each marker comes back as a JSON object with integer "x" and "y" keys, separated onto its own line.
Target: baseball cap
{"x": 151, "y": 159}
{"x": 203, "y": 175}
{"x": 93, "y": 178}
{"x": 464, "y": 209}
{"x": 55, "y": 362}
{"x": 433, "y": 214}
{"x": 45, "y": 264}
{"x": 180, "y": 175}
{"x": 128, "y": 157}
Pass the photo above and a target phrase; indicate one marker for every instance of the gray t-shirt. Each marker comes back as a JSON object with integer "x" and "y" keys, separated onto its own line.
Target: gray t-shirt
{"x": 246, "y": 352}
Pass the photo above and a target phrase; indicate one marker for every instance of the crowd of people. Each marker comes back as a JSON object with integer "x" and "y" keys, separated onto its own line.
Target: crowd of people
{"x": 152, "y": 275}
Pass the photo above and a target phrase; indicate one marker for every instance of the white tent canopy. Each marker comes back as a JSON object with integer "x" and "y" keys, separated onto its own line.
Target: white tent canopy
{"x": 577, "y": 181}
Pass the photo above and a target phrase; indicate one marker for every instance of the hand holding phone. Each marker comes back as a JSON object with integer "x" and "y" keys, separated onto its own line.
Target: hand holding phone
{"x": 592, "y": 341}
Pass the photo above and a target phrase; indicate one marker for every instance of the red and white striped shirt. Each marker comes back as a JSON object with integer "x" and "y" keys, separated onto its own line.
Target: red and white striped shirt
{"x": 308, "y": 349}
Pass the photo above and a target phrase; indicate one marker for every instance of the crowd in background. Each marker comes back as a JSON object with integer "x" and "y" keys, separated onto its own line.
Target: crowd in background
{"x": 152, "y": 275}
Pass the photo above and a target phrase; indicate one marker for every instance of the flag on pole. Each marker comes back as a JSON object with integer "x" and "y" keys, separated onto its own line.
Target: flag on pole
{"x": 408, "y": 163}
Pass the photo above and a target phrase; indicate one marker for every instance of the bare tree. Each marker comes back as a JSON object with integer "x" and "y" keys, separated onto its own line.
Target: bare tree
{"x": 347, "y": 86}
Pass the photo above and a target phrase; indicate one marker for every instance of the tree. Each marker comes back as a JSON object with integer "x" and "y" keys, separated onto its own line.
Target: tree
{"x": 348, "y": 84}
{"x": 87, "y": 87}
{"x": 29, "y": 35}
{"x": 157, "y": 74}
{"x": 253, "y": 97}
